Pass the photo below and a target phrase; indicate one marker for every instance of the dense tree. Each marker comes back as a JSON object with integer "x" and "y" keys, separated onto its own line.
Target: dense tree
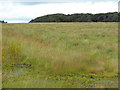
{"x": 2, "y": 21}
{"x": 101, "y": 17}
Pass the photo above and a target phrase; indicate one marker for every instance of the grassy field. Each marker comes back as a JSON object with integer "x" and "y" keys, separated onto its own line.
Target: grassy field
{"x": 60, "y": 55}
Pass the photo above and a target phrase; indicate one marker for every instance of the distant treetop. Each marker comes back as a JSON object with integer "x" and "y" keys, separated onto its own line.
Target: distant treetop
{"x": 1, "y": 21}
{"x": 79, "y": 17}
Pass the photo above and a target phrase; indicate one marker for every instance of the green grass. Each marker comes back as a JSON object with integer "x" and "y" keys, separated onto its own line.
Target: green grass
{"x": 64, "y": 55}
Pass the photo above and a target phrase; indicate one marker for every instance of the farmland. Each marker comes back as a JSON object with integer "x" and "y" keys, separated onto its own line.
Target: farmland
{"x": 60, "y": 55}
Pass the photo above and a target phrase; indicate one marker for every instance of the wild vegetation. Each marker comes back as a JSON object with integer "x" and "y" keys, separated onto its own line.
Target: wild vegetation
{"x": 2, "y": 21}
{"x": 60, "y": 55}
{"x": 79, "y": 17}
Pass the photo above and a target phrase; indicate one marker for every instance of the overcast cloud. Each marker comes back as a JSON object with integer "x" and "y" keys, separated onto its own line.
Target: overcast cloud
{"x": 25, "y": 11}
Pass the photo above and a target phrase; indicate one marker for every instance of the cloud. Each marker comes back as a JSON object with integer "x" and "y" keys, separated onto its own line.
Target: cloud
{"x": 18, "y": 12}
{"x": 52, "y": 1}
{"x": 18, "y": 21}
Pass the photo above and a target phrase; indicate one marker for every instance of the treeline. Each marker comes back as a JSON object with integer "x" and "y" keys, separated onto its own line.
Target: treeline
{"x": 88, "y": 17}
{"x": 1, "y": 21}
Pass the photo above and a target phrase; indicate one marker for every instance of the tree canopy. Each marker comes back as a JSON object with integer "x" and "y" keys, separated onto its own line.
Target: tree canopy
{"x": 1, "y": 21}
{"x": 79, "y": 17}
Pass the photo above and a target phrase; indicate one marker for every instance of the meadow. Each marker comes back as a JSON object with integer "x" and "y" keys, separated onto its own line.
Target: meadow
{"x": 60, "y": 55}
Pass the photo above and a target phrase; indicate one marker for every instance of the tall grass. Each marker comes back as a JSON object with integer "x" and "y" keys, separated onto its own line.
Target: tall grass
{"x": 60, "y": 48}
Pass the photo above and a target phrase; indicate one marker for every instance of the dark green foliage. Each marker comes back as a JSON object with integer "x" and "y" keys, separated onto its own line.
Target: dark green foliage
{"x": 102, "y": 17}
{"x": 106, "y": 17}
{"x": 2, "y": 21}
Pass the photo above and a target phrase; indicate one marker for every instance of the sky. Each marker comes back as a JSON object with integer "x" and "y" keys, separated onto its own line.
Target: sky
{"x": 22, "y": 11}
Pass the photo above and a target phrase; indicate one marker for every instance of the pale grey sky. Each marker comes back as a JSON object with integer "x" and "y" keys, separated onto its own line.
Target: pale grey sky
{"x": 16, "y": 11}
